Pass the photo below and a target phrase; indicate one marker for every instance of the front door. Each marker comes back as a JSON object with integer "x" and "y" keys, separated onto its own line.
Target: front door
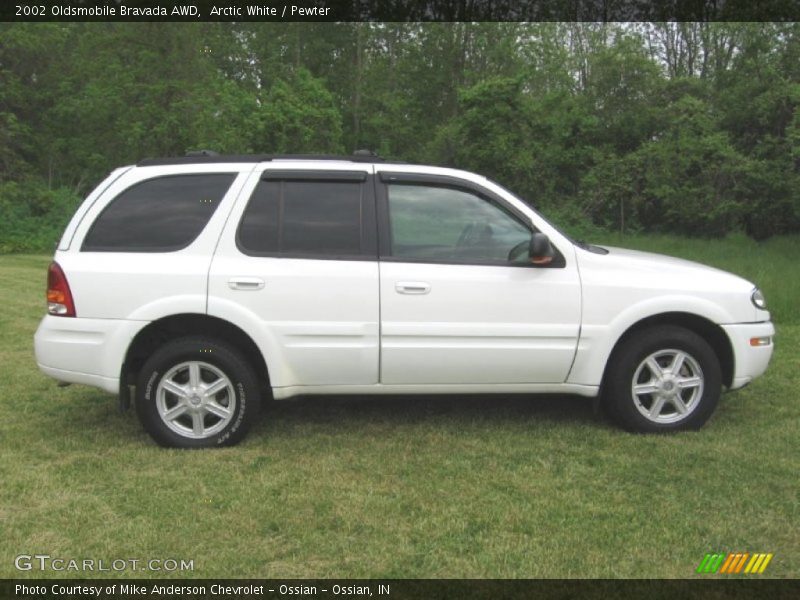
{"x": 454, "y": 308}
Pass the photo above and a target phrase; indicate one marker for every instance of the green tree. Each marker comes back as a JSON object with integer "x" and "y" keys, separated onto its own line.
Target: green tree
{"x": 298, "y": 115}
{"x": 689, "y": 179}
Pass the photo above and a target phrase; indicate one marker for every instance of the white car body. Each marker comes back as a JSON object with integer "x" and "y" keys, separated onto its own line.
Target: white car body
{"x": 386, "y": 326}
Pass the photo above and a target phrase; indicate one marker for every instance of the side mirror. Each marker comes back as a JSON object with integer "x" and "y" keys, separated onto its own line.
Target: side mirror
{"x": 540, "y": 251}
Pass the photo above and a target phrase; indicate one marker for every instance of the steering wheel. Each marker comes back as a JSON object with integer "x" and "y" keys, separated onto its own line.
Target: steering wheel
{"x": 467, "y": 234}
{"x": 518, "y": 250}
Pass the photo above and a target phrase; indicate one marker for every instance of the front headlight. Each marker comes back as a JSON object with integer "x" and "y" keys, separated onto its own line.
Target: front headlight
{"x": 758, "y": 299}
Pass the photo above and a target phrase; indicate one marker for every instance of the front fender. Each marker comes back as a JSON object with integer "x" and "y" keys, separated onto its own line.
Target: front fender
{"x": 598, "y": 340}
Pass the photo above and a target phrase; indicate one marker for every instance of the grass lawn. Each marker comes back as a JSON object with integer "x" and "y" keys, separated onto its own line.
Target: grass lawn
{"x": 407, "y": 487}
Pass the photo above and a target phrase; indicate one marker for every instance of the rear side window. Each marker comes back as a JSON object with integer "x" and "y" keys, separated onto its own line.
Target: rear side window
{"x": 158, "y": 215}
{"x": 304, "y": 218}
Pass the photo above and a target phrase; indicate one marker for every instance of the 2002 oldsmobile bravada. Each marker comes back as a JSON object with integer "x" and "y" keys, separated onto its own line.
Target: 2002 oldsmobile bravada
{"x": 208, "y": 281}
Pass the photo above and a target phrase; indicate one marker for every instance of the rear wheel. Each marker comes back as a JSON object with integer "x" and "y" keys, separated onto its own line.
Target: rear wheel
{"x": 666, "y": 378}
{"x": 196, "y": 392}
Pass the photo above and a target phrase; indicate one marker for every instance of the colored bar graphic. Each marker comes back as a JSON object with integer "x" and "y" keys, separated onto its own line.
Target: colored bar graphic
{"x": 741, "y": 562}
{"x": 717, "y": 562}
{"x": 728, "y": 562}
{"x": 754, "y": 562}
{"x": 734, "y": 563}
{"x": 765, "y": 563}
{"x": 701, "y": 568}
{"x": 710, "y": 563}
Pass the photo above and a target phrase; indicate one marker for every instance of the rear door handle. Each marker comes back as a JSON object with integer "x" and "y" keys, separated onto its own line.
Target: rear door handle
{"x": 246, "y": 283}
{"x": 412, "y": 287}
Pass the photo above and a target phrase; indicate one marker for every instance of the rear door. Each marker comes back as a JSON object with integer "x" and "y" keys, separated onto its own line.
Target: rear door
{"x": 297, "y": 268}
{"x": 454, "y": 308}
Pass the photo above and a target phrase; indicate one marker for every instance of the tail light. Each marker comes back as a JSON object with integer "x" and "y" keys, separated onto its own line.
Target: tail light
{"x": 59, "y": 296}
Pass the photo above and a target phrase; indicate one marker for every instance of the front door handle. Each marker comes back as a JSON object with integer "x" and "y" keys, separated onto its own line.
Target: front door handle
{"x": 246, "y": 283}
{"x": 412, "y": 287}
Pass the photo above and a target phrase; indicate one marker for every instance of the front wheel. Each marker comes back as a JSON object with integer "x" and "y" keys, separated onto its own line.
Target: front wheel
{"x": 666, "y": 378}
{"x": 196, "y": 392}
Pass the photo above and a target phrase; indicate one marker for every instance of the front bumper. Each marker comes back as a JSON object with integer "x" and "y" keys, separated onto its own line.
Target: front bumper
{"x": 750, "y": 361}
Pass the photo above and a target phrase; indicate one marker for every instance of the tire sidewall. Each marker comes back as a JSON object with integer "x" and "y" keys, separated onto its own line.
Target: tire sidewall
{"x": 619, "y": 398}
{"x": 194, "y": 349}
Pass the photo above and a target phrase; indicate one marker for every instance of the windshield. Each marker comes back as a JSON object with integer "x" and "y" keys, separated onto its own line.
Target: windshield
{"x": 580, "y": 243}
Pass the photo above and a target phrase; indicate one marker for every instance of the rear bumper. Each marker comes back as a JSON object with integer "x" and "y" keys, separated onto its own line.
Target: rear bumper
{"x": 750, "y": 361}
{"x": 88, "y": 351}
{"x": 109, "y": 384}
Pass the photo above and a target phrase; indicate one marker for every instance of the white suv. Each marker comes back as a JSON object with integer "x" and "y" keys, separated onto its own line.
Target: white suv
{"x": 209, "y": 282}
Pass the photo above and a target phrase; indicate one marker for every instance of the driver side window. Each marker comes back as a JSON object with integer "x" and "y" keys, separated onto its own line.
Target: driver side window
{"x": 452, "y": 225}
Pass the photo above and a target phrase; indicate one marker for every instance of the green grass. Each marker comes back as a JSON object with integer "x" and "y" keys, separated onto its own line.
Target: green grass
{"x": 406, "y": 487}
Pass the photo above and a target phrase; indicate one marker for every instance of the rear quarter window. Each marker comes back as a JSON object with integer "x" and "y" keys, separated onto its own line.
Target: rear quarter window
{"x": 163, "y": 214}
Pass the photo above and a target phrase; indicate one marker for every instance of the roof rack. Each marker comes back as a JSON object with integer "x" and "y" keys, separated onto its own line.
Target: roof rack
{"x": 209, "y": 156}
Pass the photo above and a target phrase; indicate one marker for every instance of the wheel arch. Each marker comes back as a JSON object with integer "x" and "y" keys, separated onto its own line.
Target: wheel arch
{"x": 706, "y": 329}
{"x": 163, "y": 330}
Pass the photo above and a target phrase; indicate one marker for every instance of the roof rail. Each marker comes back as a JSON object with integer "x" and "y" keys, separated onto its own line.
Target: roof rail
{"x": 209, "y": 156}
{"x": 201, "y": 153}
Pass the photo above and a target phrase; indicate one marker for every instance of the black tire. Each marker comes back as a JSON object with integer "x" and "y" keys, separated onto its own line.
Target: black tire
{"x": 664, "y": 345}
{"x": 217, "y": 363}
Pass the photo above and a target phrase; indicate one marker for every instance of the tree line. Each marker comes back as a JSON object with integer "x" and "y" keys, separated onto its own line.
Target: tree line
{"x": 688, "y": 128}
